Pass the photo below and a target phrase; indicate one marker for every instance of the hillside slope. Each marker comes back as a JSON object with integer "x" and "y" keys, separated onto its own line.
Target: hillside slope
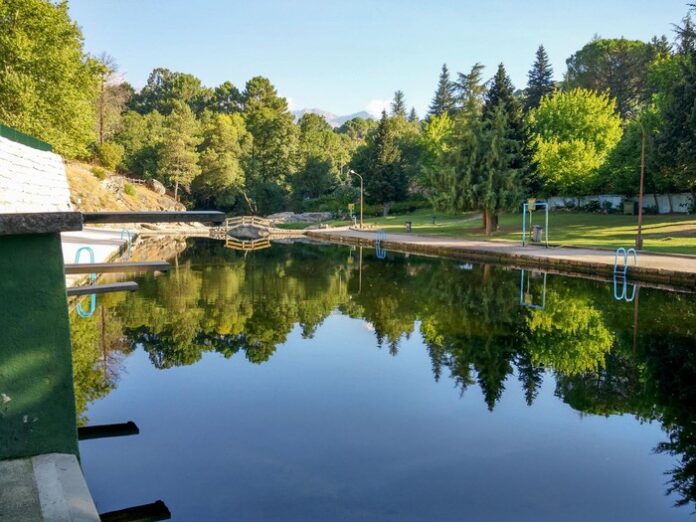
{"x": 88, "y": 193}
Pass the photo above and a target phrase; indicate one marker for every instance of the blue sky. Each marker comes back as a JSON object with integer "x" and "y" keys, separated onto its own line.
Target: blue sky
{"x": 346, "y": 56}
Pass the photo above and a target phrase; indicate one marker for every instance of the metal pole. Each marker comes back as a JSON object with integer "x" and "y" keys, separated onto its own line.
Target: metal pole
{"x": 639, "y": 237}
{"x": 361, "y": 196}
{"x": 524, "y": 223}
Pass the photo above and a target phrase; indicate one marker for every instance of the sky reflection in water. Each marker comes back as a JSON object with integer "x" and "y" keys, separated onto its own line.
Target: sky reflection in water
{"x": 301, "y": 384}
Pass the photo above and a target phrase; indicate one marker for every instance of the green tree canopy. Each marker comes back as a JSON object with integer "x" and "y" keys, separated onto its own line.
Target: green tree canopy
{"x": 572, "y": 133}
{"x": 178, "y": 163}
{"x": 165, "y": 89}
{"x": 48, "y": 86}
{"x": 617, "y": 66}
{"x": 225, "y": 143}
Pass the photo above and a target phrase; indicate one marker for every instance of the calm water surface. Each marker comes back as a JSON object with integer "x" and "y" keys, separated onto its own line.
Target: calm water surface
{"x": 309, "y": 382}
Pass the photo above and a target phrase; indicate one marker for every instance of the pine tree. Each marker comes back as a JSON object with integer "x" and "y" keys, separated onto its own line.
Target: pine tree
{"x": 502, "y": 94}
{"x": 398, "y": 105}
{"x": 540, "y": 79}
{"x": 686, "y": 36}
{"x": 386, "y": 180}
{"x": 494, "y": 183}
{"x": 179, "y": 159}
{"x": 470, "y": 91}
{"x": 413, "y": 116}
{"x": 444, "y": 95}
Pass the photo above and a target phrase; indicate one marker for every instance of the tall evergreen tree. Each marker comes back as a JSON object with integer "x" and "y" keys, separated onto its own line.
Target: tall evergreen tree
{"x": 443, "y": 101}
{"x": 470, "y": 92}
{"x": 540, "y": 81}
{"x": 493, "y": 184}
{"x": 413, "y": 115}
{"x": 179, "y": 158}
{"x": 385, "y": 179}
{"x": 502, "y": 94}
{"x": 686, "y": 36}
{"x": 398, "y": 105}
{"x": 272, "y": 160}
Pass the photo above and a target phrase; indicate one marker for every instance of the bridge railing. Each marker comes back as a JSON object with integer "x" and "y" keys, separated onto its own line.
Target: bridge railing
{"x": 247, "y": 220}
{"x": 247, "y": 245}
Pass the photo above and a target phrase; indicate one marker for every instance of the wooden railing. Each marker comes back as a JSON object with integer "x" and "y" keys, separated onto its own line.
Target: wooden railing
{"x": 247, "y": 220}
{"x": 247, "y": 245}
{"x": 135, "y": 181}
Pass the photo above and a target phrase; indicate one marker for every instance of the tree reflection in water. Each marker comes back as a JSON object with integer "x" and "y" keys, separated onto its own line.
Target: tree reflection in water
{"x": 471, "y": 322}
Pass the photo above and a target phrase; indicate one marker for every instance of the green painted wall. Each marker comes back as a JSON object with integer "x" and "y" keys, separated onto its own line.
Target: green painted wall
{"x": 37, "y": 403}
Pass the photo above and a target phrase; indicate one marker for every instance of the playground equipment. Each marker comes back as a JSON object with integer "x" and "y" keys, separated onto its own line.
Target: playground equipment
{"x": 621, "y": 274}
{"x": 526, "y": 298}
{"x": 529, "y": 208}
{"x": 93, "y": 278}
{"x": 380, "y": 251}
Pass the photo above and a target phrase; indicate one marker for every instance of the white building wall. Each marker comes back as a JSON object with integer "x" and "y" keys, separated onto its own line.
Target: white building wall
{"x": 31, "y": 180}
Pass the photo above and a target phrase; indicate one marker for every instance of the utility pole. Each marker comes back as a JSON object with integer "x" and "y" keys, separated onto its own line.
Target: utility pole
{"x": 639, "y": 237}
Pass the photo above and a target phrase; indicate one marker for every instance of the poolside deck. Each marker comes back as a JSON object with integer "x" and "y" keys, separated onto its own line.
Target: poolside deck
{"x": 674, "y": 270}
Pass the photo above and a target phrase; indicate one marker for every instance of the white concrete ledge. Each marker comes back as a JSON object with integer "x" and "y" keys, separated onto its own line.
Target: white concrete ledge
{"x": 45, "y": 487}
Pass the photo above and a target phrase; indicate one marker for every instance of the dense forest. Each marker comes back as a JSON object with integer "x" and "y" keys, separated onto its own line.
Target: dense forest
{"x": 484, "y": 143}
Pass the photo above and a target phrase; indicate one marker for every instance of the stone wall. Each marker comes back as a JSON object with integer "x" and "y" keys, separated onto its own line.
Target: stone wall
{"x": 31, "y": 180}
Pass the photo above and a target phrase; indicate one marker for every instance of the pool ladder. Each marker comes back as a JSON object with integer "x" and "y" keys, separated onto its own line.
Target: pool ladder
{"x": 380, "y": 251}
{"x": 621, "y": 285}
{"x": 93, "y": 277}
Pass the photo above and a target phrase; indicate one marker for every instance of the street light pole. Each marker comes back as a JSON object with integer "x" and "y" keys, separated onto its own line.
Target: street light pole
{"x": 351, "y": 171}
{"x": 639, "y": 237}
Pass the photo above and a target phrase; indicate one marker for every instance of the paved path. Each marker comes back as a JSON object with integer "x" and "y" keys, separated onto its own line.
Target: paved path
{"x": 671, "y": 269}
{"x": 105, "y": 242}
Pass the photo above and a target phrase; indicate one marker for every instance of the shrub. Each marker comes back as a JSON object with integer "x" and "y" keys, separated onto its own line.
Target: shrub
{"x": 109, "y": 154}
{"x": 129, "y": 189}
{"x": 99, "y": 173}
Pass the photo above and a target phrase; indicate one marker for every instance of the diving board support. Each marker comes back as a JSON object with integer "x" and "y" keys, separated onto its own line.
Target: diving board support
{"x": 101, "y": 431}
{"x": 103, "y": 268}
{"x": 128, "y": 286}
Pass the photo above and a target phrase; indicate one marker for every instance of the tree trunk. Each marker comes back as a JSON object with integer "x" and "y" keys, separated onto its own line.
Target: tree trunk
{"x": 490, "y": 221}
{"x": 484, "y": 220}
{"x": 101, "y": 114}
{"x": 176, "y": 190}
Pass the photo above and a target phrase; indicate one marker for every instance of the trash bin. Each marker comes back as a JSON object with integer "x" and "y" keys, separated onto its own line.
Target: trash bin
{"x": 630, "y": 208}
{"x": 408, "y": 225}
{"x": 434, "y": 219}
{"x": 537, "y": 231}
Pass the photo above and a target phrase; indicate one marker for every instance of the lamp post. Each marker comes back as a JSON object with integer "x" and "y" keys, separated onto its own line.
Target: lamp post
{"x": 351, "y": 171}
{"x": 639, "y": 236}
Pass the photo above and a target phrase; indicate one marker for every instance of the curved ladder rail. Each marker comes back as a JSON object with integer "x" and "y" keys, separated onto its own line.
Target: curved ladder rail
{"x": 621, "y": 274}
{"x": 93, "y": 277}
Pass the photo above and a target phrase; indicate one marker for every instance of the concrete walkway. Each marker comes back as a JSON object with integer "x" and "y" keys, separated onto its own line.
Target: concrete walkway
{"x": 106, "y": 243}
{"x": 657, "y": 268}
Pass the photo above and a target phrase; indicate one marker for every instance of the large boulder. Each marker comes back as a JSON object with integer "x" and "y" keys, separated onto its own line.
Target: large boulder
{"x": 156, "y": 186}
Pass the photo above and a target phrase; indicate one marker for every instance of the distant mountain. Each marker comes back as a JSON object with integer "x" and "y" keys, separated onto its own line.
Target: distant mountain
{"x": 333, "y": 119}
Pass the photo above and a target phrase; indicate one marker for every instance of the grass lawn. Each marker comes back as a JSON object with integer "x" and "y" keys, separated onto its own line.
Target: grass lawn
{"x": 675, "y": 233}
